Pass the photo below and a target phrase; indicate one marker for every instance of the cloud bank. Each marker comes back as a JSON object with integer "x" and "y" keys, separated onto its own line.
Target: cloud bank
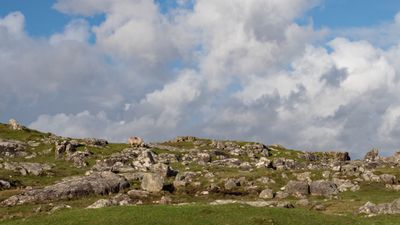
{"x": 228, "y": 69}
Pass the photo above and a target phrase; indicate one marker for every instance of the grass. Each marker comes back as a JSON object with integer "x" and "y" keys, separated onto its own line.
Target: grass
{"x": 197, "y": 215}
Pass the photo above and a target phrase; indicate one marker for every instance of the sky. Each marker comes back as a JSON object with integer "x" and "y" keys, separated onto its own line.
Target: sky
{"x": 308, "y": 74}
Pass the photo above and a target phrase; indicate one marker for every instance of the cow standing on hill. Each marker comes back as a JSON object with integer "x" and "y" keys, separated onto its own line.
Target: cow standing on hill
{"x": 136, "y": 141}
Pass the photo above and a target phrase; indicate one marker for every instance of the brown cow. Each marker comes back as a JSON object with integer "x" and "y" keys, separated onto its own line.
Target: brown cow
{"x": 136, "y": 141}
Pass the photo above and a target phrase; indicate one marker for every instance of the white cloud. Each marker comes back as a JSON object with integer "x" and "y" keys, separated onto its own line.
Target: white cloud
{"x": 13, "y": 24}
{"x": 76, "y": 30}
{"x": 224, "y": 69}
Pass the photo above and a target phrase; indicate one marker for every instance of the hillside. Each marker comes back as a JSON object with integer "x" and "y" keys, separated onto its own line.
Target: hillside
{"x": 46, "y": 179}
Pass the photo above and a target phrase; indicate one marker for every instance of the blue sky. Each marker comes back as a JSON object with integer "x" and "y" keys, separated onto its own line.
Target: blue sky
{"x": 43, "y": 20}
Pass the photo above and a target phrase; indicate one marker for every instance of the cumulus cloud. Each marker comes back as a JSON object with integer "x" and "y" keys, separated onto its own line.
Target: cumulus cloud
{"x": 227, "y": 69}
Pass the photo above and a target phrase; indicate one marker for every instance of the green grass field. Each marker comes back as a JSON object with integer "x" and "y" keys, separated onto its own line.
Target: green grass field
{"x": 198, "y": 215}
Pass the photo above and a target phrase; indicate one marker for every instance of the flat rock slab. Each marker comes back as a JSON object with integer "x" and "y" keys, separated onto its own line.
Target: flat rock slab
{"x": 97, "y": 183}
{"x": 26, "y": 168}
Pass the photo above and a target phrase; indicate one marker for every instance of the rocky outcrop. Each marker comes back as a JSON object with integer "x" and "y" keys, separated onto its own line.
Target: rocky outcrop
{"x": 65, "y": 147}
{"x": 101, "y": 183}
{"x": 371, "y": 155}
{"x": 128, "y": 160}
{"x": 78, "y": 158}
{"x": 27, "y": 168}
{"x": 372, "y": 209}
{"x": 96, "y": 142}
{"x": 12, "y": 148}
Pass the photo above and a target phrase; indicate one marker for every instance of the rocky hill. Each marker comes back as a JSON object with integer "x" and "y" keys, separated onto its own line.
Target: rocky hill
{"x": 42, "y": 173}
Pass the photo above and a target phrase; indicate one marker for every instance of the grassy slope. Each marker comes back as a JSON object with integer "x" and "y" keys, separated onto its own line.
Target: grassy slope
{"x": 198, "y": 214}
{"x": 347, "y": 203}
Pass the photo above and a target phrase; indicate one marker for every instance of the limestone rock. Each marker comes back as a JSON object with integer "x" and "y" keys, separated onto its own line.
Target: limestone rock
{"x": 266, "y": 194}
{"x": 152, "y": 182}
{"x": 12, "y": 148}
{"x": 297, "y": 188}
{"x": 323, "y": 188}
{"x": 96, "y": 183}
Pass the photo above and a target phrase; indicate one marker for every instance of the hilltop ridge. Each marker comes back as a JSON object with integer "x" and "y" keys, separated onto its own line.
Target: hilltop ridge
{"x": 42, "y": 172}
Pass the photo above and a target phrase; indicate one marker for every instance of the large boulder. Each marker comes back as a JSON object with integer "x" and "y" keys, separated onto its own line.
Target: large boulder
{"x": 297, "y": 188}
{"x": 12, "y": 148}
{"x": 323, "y": 188}
{"x": 96, "y": 183}
{"x": 152, "y": 182}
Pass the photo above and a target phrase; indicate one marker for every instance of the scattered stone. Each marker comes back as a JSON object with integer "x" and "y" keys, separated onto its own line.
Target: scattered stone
{"x": 101, "y": 204}
{"x": 393, "y": 187}
{"x": 165, "y": 200}
{"x": 266, "y": 194}
{"x": 303, "y": 202}
{"x": 372, "y": 209}
{"x": 60, "y": 207}
{"x": 231, "y": 183}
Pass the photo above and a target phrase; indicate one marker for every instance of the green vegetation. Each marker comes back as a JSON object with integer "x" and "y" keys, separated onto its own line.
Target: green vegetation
{"x": 198, "y": 214}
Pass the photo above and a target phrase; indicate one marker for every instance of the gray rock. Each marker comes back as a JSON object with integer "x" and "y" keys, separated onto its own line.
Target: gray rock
{"x": 266, "y": 194}
{"x": 165, "y": 200}
{"x": 163, "y": 170}
{"x": 231, "y": 184}
{"x": 26, "y": 168}
{"x": 323, "y": 188}
{"x": 152, "y": 182}
{"x": 384, "y": 208}
{"x": 96, "y": 183}
{"x": 12, "y": 148}
{"x": 388, "y": 178}
{"x": 101, "y": 204}
{"x": 297, "y": 188}
{"x": 96, "y": 142}
{"x": 78, "y": 158}
{"x": 138, "y": 194}
{"x": 184, "y": 179}
{"x": 4, "y": 185}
